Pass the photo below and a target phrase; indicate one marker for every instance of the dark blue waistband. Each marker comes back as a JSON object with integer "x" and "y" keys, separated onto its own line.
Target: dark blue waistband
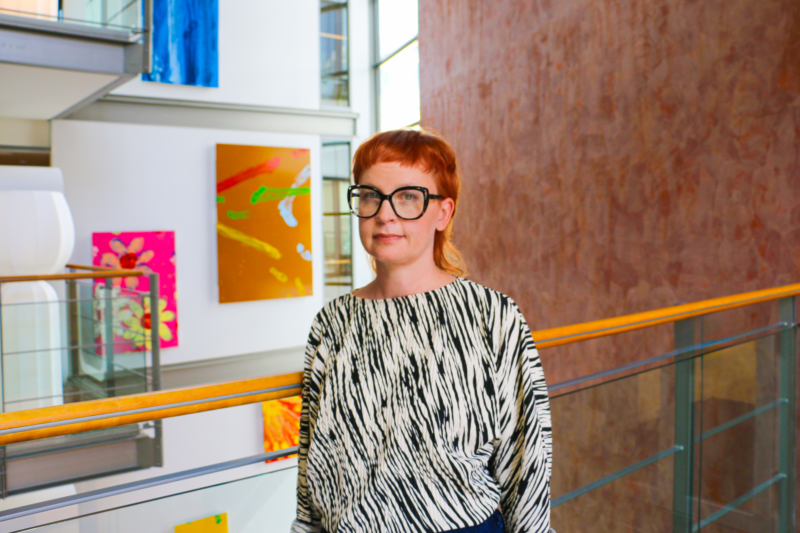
{"x": 493, "y": 524}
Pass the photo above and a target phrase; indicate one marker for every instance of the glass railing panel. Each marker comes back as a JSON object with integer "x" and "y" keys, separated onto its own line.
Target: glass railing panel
{"x": 86, "y": 343}
{"x": 125, "y": 15}
{"x": 744, "y": 375}
{"x": 739, "y": 379}
{"x": 115, "y": 336}
{"x": 733, "y": 464}
{"x": 598, "y": 360}
{"x": 734, "y": 324}
{"x": 757, "y": 514}
{"x": 639, "y": 502}
{"x": 265, "y": 502}
{"x": 617, "y": 429}
{"x": 71, "y": 460}
{"x": 738, "y": 428}
{"x": 712, "y": 409}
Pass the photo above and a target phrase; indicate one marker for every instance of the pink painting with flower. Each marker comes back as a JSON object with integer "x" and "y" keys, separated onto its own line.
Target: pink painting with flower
{"x": 149, "y": 252}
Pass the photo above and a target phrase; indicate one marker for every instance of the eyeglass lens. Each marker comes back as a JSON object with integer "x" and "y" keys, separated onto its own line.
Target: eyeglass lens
{"x": 407, "y": 203}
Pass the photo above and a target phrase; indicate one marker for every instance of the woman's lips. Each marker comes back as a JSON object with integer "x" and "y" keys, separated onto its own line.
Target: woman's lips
{"x": 387, "y": 237}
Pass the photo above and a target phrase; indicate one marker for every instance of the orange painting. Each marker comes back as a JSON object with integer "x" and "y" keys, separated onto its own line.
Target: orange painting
{"x": 281, "y": 424}
{"x": 263, "y": 222}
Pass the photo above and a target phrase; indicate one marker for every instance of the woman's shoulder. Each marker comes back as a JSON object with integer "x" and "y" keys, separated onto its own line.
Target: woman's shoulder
{"x": 333, "y": 312}
{"x": 490, "y": 299}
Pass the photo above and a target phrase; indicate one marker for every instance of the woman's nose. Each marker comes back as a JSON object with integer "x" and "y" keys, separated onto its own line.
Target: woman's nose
{"x": 385, "y": 212}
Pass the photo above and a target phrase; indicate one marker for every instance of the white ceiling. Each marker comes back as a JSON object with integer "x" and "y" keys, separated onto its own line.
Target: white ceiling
{"x": 43, "y": 93}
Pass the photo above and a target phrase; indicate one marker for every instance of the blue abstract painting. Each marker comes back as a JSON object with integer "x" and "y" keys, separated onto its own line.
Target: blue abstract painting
{"x": 185, "y": 39}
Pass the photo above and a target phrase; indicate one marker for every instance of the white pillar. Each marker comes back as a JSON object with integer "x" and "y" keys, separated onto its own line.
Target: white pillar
{"x": 36, "y": 237}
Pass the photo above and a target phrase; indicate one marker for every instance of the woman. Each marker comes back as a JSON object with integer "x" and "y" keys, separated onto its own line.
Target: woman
{"x": 425, "y": 407}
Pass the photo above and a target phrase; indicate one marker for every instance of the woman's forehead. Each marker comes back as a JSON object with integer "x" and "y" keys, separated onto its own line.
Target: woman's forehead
{"x": 393, "y": 175}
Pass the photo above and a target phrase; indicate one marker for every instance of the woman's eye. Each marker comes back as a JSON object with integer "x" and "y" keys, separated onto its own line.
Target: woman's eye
{"x": 408, "y": 197}
{"x": 371, "y": 196}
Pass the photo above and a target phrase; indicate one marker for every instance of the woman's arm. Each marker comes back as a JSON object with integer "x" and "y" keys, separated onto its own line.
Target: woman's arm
{"x": 308, "y": 520}
{"x": 522, "y": 458}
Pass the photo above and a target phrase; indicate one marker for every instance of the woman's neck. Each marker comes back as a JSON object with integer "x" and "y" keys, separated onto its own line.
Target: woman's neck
{"x": 393, "y": 281}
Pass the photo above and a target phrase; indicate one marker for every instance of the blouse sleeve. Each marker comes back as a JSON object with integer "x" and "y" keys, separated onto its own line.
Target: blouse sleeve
{"x": 522, "y": 458}
{"x": 308, "y": 519}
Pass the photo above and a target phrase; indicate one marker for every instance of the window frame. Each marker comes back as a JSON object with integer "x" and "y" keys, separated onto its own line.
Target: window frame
{"x": 346, "y": 213}
{"x": 378, "y": 62}
{"x": 333, "y": 7}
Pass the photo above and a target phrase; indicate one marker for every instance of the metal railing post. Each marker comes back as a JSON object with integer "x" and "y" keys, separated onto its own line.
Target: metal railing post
{"x": 147, "y": 26}
{"x": 684, "y": 430}
{"x": 108, "y": 323}
{"x": 155, "y": 354}
{"x": 788, "y": 414}
{"x": 155, "y": 339}
{"x": 73, "y": 328}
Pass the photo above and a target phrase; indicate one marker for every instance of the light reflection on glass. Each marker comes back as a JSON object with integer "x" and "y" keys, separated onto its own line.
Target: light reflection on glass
{"x": 398, "y": 23}
{"x": 399, "y": 89}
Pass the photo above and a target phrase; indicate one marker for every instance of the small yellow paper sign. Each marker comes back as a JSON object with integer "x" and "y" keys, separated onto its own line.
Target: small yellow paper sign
{"x": 212, "y": 524}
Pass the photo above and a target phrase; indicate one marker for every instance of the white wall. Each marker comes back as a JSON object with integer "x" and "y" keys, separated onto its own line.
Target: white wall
{"x": 268, "y": 55}
{"x": 122, "y": 177}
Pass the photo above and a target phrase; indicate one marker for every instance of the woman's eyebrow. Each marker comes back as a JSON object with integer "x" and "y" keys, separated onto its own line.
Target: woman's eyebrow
{"x": 372, "y": 186}
{"x": 396, "y": 188}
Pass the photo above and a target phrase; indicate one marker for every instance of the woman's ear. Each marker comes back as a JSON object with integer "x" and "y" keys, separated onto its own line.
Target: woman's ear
{"x": 445, "y": 213}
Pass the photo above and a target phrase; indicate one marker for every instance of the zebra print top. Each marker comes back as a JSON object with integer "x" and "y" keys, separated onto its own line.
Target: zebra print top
{"x": 423, "y": 413}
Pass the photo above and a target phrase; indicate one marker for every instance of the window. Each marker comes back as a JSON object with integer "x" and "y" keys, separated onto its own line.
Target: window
{"x": 337, "y": 222}
{"x": 397, "y": 69}
{"x": 334, "y": 61}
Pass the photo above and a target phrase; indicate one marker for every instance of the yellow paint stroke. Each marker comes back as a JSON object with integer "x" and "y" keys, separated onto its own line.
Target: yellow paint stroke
{"x": 247, "y": 240}
{"x": 280, "y": 276}
{"x": 301, "y": 289}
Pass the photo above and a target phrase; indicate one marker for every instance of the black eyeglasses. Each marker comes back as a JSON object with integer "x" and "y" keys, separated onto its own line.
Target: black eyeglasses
{"x": 408, "y": 203}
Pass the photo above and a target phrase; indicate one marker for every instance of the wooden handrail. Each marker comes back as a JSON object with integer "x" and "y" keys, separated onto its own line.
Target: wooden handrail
{"x": 548, "y": 338}
{"x": 148, "y": 404}
{"x": 91, "y": 268}
{"x": 157, "y": 405}
{"x": 95, "y": 272}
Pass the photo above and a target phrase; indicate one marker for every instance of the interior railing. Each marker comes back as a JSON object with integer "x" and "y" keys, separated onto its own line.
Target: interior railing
{"x": 692, "y": 428}
{"x": 114, "y": 15}
{"x": 67, "y": 338}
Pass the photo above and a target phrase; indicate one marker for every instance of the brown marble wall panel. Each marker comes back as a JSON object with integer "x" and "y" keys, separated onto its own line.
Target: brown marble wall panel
{"x": 619, "y": 156}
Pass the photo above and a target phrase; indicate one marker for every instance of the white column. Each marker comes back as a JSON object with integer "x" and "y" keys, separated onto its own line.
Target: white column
{"x": 36, "y": 237}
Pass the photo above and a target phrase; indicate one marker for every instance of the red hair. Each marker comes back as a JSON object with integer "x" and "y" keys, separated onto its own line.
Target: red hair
{"x": 431, "y": 153}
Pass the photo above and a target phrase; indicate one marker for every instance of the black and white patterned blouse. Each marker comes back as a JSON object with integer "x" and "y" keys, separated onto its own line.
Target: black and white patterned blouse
{"x": 422, "y": 413}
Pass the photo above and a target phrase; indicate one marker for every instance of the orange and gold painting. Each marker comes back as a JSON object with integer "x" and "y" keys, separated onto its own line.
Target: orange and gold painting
{"x": 281, "y": 424}
{"x": 263, "y": 222}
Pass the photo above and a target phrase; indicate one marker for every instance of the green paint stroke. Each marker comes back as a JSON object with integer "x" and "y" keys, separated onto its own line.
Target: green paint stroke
{"x": 238, "y": 215}
{"x": 266, "y": 194}
{"x": 218, "y": 518}
{"x": 220, "y": 199}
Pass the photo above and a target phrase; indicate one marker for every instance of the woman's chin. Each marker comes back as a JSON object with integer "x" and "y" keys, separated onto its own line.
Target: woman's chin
{"x": 391, "y": 257}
